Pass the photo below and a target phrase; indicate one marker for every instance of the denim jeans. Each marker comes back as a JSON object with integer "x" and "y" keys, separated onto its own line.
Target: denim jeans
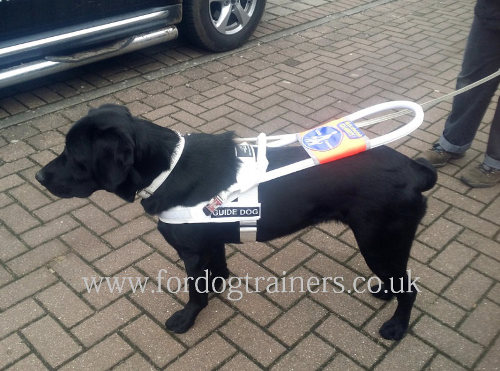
{"x": 481, "y": 58}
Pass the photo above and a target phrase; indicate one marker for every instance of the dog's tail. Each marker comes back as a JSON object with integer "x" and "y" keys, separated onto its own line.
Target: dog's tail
{"x": 425, "y": 173}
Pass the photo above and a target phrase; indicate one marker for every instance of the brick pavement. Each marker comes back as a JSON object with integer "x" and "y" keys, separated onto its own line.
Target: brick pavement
{"x": 280, "y": 82}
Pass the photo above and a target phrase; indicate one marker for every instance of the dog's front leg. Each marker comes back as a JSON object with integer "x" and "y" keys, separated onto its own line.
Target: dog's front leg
{"x": 183, "y": 319}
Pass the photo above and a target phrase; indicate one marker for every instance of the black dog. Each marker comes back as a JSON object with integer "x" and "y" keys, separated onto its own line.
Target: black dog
{"x": 378, "y": 193}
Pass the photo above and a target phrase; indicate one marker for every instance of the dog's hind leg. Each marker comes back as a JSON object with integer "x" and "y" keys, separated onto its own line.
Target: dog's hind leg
{"x": 386, "y": 249}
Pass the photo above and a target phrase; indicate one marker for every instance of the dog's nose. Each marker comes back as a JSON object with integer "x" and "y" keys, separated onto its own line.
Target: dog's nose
{"x": 39, "y": 176}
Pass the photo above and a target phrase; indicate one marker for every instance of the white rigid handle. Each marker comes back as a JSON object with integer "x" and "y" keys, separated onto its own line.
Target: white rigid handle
{"x": 398, "y": 133}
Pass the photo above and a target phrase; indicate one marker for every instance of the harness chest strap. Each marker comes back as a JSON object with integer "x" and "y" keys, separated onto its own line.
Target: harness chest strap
{"x": 158, "y": 181}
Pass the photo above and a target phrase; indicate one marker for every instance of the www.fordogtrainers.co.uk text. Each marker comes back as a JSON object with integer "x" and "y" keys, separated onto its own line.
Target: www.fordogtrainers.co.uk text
{"x": 237, "y": 286}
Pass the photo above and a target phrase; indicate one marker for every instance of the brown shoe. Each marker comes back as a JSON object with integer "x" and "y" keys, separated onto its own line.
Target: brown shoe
{"x": 438, "y": 157}
{"x": 481, "y": 176}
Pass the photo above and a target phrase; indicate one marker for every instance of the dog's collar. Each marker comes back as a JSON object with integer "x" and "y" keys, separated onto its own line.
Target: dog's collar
{"x": 158, "y": 181}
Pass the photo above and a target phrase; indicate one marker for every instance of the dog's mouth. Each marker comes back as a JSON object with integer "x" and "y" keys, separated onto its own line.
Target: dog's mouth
{"x": 63, "y": 190}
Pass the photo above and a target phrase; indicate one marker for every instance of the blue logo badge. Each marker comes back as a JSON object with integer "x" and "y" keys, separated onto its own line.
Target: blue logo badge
{"x": 323, "y": 138}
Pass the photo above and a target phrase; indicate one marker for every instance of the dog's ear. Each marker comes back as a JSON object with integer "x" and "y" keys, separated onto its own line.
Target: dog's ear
{"x": 113, "y": 153}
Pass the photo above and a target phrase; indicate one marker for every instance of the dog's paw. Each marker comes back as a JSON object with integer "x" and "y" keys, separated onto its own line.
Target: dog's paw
{"x": 393, "y": 330}
{"x": 180, "y": 321}
{"x": 381, "y": 292}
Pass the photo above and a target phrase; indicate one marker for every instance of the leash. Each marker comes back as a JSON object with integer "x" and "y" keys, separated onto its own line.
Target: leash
{"x": 431, "y": 102}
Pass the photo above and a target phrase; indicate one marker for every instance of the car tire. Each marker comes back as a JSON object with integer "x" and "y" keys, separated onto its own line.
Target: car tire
{"x": 220, "y": 25}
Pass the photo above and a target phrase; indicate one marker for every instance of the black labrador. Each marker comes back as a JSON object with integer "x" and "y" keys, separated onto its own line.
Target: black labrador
{"x": 378, "y": 193}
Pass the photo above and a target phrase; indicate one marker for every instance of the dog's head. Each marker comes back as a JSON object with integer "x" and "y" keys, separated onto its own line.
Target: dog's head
{"x": 99, "y": 154}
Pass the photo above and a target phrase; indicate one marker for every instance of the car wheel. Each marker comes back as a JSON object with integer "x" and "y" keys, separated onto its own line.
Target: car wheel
{"x": 220, "y": 25}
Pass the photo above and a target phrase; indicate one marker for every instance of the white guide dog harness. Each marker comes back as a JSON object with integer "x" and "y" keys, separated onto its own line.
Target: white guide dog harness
{"x": 327, "y": 142}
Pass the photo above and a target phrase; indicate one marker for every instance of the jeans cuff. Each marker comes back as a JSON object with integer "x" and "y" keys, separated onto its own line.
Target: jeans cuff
{"x": 453, "y": 148}
{"x": 491, "y": 162}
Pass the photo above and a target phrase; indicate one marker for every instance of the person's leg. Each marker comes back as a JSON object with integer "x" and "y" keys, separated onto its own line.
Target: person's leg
{"x": 492, "y": 157}
{"x": 481, "y": 58}
{"x": 487, "y": 174}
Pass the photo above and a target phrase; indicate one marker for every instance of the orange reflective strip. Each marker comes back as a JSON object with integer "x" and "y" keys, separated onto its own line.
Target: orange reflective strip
{"x": 333, "y": 140}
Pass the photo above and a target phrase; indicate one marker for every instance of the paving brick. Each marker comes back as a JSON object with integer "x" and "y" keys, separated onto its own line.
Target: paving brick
{"x": 15, "y": 151}
{"x": 49, "y": 230}
{"x": 37, "y": 257}
{"x": 439, "y": 233}
{"x": 447, "y": 341}
{"x": 288, "y": 257}
{"x": 64, "y": 304}
{"x": 428, "y": 277}
{"x": 24, "y": 287}
{"x": 456, "y": 199}
{"x": 483, "y": 323}
{"x": 341, "y": 362}
{"x": 105, "y": 321}
{"x": 95, "y": 219}
{"x": 410, "y": 352}
{"x": 129, "y": 231}
{"x": 327, "y": 267}
{"x": 453, "y": 259}
{"x": 328, "y": 245}
{"x": 101, "y": 356}
{"x": 18, "y": 316}
{"x": 160, "y": 305}
{"x": 487, "y": 266}
{"x": 10, "y": 246}
{"x": 128, "y": 212}
{"x": 154, "y": 341}
{"x": 59, "y": 207}
{"x": 72, "y": 269}
{"x": 29, "y": 196}
{"x": 309, "y": 354}
{"x": 480, "y": 243}
{"x": 491, "y": 212}
{"x": 17, "y": 218}
{"x": 440, "y": 363}
{"x": 206, "y": 355}
{"x": 46, "y": 140}
{"x": 30, "y": 362}
{"x": 490, "y": 360}
{"x": 253, "y": 305}
{"x": 51, "y": 341}
{"x": 106, "y": 201}
{"x": 124, "y": 256}
{"x": 253, "y": 340}
{"x": 85, "y": 244}
{"x": 297, "y": 320}
{"x": 473, "y": 222}
{"x": 240, "y": 362}
{"x": 5, "y": 200}
{"x": 240, "y": 266}
{"x": 5, "y": 276}
{"x": 467, "y": 288}
{"x": 440, "y": 308}
{"x": 13, "y": 167}
{"x": 344, "y": 304}
{"x": 134, "y": 363}
{"x": 349, "y": 340}
{"x": 11, "y": 349}
{"x": 211, "y": 318}
{"x": 125, "y": 281}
